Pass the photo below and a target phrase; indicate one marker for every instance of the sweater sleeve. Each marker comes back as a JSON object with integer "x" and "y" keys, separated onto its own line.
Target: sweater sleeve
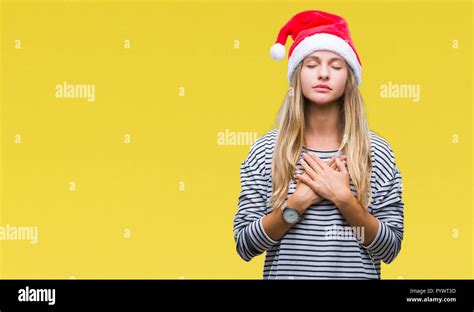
{"x": 249, "y": 235}
{"x": 387, "y": 206}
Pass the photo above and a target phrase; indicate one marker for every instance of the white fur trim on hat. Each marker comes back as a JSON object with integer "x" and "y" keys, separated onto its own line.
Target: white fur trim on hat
{"x": 323, "y": 41}
{"x": 277, "y": 51}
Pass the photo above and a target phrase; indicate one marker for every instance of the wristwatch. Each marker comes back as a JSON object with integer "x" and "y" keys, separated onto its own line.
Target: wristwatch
{"x": 290, "y": 215}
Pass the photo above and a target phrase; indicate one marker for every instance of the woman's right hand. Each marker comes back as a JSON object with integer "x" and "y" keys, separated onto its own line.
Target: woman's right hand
{"x": 304, "y": 196}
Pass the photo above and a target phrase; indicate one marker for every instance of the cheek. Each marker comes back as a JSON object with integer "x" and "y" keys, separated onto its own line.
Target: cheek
{"x": 306, "y": 80}
{"x": 340, "y": 80}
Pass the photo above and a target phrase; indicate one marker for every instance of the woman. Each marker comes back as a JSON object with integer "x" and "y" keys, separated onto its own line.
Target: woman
{"x": 321, "y": 194}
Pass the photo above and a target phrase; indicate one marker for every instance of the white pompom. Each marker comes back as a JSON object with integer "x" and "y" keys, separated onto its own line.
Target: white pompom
{"x": 277, "y": 51}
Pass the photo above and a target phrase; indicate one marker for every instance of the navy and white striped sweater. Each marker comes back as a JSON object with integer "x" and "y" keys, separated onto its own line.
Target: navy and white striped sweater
{"x": 306, "y": 251}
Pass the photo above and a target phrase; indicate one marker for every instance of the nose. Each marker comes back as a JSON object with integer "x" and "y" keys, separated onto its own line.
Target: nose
{"x": 323, "y": 73}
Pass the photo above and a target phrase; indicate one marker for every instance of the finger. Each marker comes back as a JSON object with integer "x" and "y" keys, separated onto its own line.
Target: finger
{"x": 311, "y": 160}
{"x": 305, "y": 179}
{"x": 307, "y": 168}
{"x": 332, "y": 162}
{"x": 341, "y": 166}
{"x": 334, "y": 167}
{"x": 298, "y": 175}
{"x": 322, "y": 164}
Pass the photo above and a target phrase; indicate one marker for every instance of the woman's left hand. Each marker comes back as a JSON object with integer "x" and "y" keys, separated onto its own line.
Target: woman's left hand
{"x": 323, "y": 180}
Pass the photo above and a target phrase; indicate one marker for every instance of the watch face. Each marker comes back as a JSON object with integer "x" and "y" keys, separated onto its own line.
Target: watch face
{"x": 290, "y": 215}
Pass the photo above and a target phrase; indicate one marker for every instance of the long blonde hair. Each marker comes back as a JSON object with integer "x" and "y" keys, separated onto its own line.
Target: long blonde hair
{"x": 355, "y": 139}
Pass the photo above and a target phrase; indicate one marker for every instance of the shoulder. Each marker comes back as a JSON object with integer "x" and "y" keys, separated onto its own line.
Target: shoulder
{"x": 261, "y": 151}
{"x": 383, "y": 157}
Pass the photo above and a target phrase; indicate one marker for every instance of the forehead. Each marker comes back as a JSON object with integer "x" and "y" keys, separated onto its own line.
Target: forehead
{"x": 324, "y": 55}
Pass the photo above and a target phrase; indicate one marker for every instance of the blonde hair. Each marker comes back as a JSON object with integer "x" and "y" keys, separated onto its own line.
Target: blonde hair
{"x": 355, "y": 143}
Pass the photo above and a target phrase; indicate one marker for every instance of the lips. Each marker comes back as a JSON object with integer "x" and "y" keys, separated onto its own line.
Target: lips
{"x": 322, "y": 87}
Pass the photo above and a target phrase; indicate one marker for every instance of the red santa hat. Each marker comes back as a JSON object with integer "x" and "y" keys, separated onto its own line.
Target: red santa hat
{"x": 312, "y": 31}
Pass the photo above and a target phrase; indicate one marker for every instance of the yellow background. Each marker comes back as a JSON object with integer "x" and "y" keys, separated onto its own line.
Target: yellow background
{"x": 176, "y": 233}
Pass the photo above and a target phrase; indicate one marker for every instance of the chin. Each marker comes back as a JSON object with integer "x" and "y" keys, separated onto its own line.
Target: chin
{"x": 321, "y": 99}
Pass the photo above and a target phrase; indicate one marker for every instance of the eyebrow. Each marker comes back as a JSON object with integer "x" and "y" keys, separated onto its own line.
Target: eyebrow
{"x": 330, "y": 60}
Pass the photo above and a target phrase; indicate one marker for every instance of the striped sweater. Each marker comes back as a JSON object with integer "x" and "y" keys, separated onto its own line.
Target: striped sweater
{"x": 306, "y": 251}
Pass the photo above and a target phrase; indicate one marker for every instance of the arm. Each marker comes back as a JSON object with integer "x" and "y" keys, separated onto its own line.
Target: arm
{"x": 357, "y": 216}
{"x": 274, "y": 224}
{"x": 254, "y": 230}
{"x": 249, "y": 235}
{"x": 383, "y": 229}
{"x": 303, "y": 197}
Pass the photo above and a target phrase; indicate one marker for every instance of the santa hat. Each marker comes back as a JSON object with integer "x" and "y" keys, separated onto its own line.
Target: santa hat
{"x": 312, "y": 31}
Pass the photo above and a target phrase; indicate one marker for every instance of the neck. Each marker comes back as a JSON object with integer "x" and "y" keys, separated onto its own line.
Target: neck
{"x": 322, "y": 123}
